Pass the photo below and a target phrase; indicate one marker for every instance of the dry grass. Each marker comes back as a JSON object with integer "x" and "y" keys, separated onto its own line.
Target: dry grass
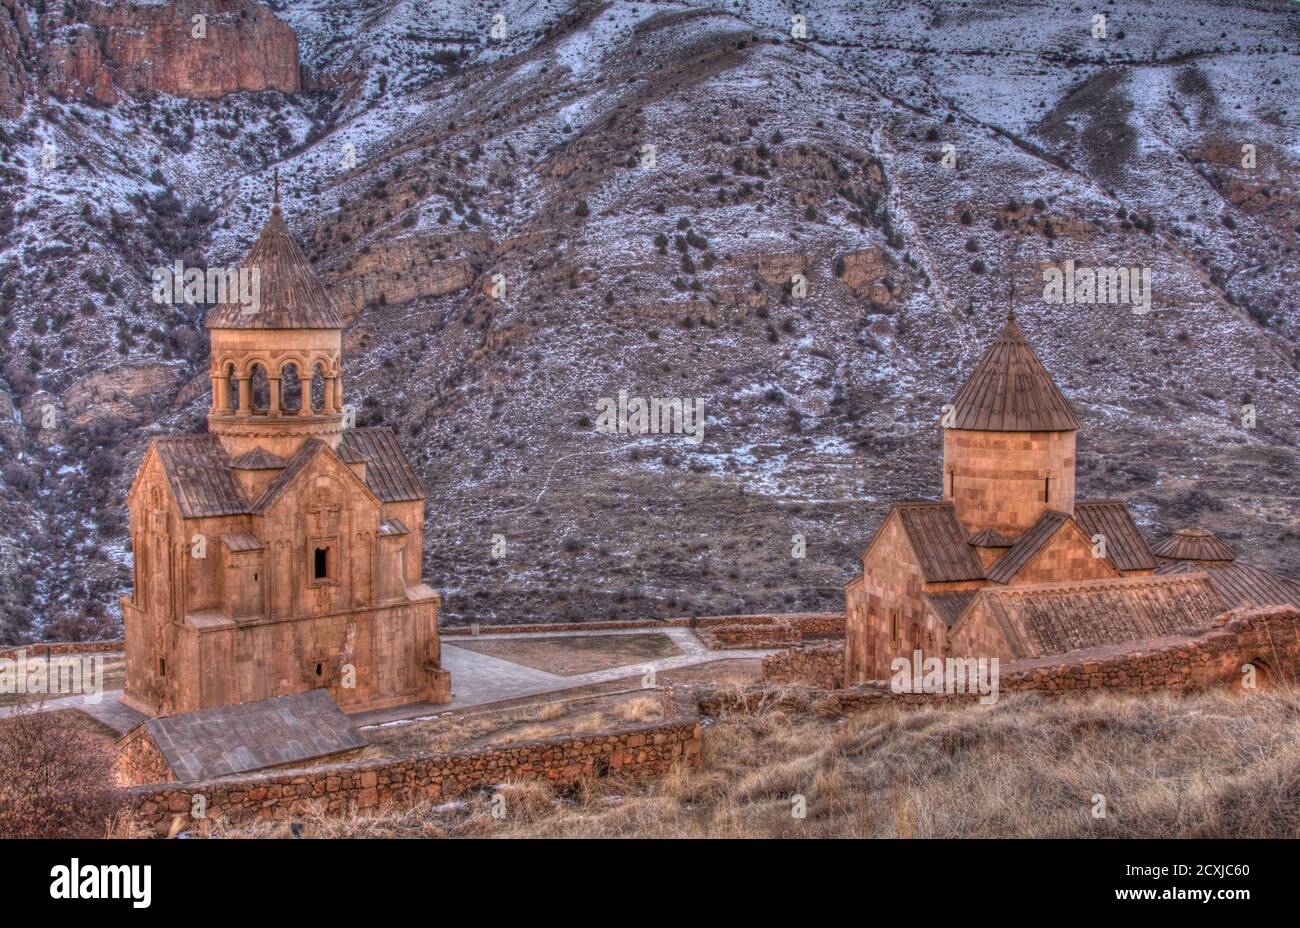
{"x": 538, "y": 719}
{"x": 1214, "y": 765}
{"x": 114, "y": 676}
{"x": 570, "y": 655}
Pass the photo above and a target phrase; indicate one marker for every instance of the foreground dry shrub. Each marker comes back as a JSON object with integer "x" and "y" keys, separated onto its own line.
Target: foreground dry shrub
{"x": 56, "y": 778}
{"x": 1213, "y": 765}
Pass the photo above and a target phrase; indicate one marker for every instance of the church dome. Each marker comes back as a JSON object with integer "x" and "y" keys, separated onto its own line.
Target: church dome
{"x": 1193, "y": 544}
{"x": 1011, "y": 391}
{"x": 291, "y": 295}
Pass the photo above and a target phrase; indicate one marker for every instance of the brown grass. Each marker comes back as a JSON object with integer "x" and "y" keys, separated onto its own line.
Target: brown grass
{"x": 478, "y": 728}
{"x": 114, "y": 676}
{"x": 569, "y": 655}
{"x": 1214, "y": 765}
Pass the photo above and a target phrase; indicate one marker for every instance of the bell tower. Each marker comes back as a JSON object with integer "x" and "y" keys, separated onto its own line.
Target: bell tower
{"x": 1009, "y": 441}
{"x": 277, "y": 376}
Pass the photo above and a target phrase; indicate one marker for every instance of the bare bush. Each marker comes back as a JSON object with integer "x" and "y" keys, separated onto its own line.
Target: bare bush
{"x": 56, "y": 777}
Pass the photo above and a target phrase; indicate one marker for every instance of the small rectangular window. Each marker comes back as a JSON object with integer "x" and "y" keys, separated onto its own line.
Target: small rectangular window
{"x": 162, "y": 666}
{"x": 321, "y": 564}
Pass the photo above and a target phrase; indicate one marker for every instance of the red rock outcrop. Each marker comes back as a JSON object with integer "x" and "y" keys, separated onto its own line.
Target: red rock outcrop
{"x": 15, "y": 50}
{"x": 105, "y": 51}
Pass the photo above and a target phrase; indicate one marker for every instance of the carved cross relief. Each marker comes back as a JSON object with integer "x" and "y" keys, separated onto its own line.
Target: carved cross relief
{"x": 323, "y": 506}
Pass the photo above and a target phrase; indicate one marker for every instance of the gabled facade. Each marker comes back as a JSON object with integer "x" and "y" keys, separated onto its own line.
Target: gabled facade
{"x": 279, "y": 552}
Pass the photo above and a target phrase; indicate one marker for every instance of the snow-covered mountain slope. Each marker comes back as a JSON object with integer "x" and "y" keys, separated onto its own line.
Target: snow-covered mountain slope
{"x": 425, "y": 155}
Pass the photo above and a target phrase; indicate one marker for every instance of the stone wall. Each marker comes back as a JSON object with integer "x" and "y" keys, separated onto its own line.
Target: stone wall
{"x": 809, "y": 623}
{"x": 1267, "y": 638}
{"x": 140, "y": 761}
{"x": 772, "y": 635}
{"x": 821, "y": 667}
{"x": 648, "y": 748}
{"x": 50, "y": 648}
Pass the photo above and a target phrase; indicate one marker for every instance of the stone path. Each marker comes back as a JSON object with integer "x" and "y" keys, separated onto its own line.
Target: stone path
{"x": 476, "y": 679}
{"x": 479, "y": 679}
{"x": 109, "y": 709}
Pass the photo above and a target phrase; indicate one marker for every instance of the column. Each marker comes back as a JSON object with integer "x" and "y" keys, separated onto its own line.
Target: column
{"x": 245, "y": 397}
{"x": 221, "y": 395}
{"x": 275, "y": 397}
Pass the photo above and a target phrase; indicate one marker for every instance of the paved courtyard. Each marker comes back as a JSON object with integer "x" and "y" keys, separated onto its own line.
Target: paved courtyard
{"x": 476, "y": 679}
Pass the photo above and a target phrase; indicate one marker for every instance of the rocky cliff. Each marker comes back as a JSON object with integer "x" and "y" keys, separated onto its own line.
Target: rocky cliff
{"x": 104, "y": 51}
{"x": 15, "y": 42}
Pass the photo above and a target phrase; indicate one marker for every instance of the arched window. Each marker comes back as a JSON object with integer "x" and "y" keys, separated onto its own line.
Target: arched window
{"x": 261, "y": 391}
{"x": 318, "y": 389}
{"x": 290, "y": 388}
{"x": 232, "y": 387}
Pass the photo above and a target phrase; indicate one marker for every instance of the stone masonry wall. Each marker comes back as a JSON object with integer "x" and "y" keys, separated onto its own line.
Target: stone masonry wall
{"x": 49, "y": 648}
{"x": 140, "y": 761}
{"x": 650, "y": 748}
{"x": 821, "y": 667}
{"x": 1267, "y": 638}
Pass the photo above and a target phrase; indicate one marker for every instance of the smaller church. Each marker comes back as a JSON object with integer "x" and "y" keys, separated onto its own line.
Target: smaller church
{"x": 1008, "y": 563}
{"x": 280, "y": 551}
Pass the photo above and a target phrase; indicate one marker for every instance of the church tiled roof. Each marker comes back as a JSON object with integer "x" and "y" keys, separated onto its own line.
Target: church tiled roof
{"x": 1242, "y": 585}
{"x": 1053, "y": 618}
{"x": 1193, "y": 544}
{"x": 1011, "y": 391}
{"x": 1027, "y": 545}
{"x": 248, "y": 736}
{"x": 989, "y": 538}
{"x": 257, "y": 459}
{"x": 201, "y": 480}
{"x": 291, "y": 295}
{"x": 1125, "y": 546}
{"x": 388, "y": 472}
{"x": 939, "y": 542}
{"x": 950, "y": 606}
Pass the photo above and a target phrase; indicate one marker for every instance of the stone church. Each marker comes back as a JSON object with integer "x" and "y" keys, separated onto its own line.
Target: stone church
{"x": 1008, "y": 563}
{"x": 280, "y": 551}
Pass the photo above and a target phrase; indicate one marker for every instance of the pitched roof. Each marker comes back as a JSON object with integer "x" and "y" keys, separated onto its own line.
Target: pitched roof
{"x": 1125, "y": 546}
{"x": 1011, "y": 391}
{"x": 242, "y": 541}
{"x": 1053, "y": 618}
{"x": 939, "y": 541}
{"x": 388, "y": 472}
{"x": 1026, "y": 546}
{"x": 392, "y": 527}
{"x": 950, "y": 606}
{"x": 201, "y": 481}
{"x": 1193, "y": 544}
{"x": 292, "y": 468}
{"x": 989, "y": 538}
{"x": 257, "y": 459}
{"x": 247, "y": 736}
{"x": 290, "y": 294}
{"x": 1240, "y": 584}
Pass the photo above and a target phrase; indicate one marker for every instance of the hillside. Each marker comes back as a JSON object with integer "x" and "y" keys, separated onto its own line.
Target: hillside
{"x": 523, "y": 157}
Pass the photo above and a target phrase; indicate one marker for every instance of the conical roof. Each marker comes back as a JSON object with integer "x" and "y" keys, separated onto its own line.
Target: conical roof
{"x": 291, "y": 295}
{"x": 1011, "y": 391}
{"x": 1193, "y": 544}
